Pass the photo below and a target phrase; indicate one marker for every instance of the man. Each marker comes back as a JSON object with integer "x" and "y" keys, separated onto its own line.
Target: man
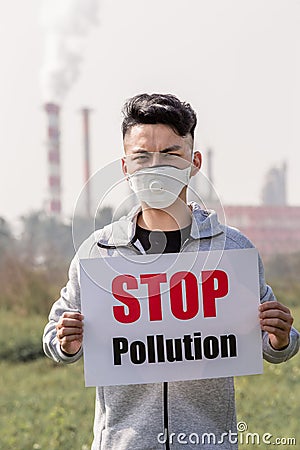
{"x": 158, "y": 134}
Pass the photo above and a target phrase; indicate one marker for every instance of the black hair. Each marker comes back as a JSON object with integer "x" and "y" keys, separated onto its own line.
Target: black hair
{"x": 159, "y": 109}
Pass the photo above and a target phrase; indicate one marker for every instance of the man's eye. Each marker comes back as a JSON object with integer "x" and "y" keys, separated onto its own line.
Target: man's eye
{"x": 140, "y": 157}
{"x": 170, "y": 155}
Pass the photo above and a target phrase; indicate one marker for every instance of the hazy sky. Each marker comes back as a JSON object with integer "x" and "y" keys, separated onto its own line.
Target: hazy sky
{"x": 236, "y": 61}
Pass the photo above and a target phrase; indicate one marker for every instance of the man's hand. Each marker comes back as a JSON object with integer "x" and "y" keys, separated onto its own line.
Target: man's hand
{"x": 277, "y": 320}
{"x": 69, "y": 331}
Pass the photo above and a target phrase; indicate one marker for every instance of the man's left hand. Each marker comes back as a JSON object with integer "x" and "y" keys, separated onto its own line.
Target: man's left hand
{"x": 277, "y": 320}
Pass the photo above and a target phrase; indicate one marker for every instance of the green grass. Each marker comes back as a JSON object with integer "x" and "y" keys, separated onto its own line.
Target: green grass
{"x": 20, "y": 336}
{"x": 270, "y": 403}
{"x": 46, "y": 406}
{"x": 43, "y": 405}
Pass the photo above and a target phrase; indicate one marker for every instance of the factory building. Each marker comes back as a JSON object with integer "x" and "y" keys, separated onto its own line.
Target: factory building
{"x": 273, "y": 227}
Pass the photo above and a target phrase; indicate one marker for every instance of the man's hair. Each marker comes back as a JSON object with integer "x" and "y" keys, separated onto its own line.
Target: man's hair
{"x": 159, "y": 109}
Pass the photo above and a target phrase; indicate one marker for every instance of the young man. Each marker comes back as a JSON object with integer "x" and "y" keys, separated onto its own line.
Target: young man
{"x": 158, "y": 133}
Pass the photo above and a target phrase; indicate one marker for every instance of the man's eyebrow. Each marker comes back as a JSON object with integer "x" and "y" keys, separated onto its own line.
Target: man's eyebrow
{"x": 140, "y": 150}
{"x": 171, "y": 149}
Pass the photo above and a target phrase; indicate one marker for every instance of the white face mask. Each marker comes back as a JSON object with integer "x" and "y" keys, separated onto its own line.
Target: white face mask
{"x": 159, "y": 186}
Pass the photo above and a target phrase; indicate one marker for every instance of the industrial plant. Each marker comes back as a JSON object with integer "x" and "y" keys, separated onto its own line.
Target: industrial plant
{"x": 273, "y": 226}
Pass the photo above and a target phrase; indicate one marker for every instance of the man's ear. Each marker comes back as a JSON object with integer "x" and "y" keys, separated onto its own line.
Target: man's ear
{"x": 124, "y": 167}
{"x": 197, "y": 162}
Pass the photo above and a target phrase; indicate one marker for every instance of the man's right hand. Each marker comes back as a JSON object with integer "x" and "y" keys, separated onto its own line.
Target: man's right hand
{"x": 69, "y": 331}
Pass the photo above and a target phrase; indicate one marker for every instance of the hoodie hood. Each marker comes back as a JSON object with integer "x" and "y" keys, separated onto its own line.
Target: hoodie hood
{"x": 205, "y": 224}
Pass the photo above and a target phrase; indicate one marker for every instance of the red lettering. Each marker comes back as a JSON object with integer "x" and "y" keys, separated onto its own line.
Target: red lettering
{"x": 210, "y": 293}
{"x": 191, "y": 295}
{"x": 184, "y": 301}
{"x": 133, "y": 305}
{"x": 154, "y": 280}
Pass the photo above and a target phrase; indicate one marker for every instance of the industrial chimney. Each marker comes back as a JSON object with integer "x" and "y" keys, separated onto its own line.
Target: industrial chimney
{"x": 53, "y": 147}
{"x": 87, "y": 173}
{"x": 274, "y": 189}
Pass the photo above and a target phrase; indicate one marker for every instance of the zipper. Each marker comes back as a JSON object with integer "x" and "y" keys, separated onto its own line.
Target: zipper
{"x": 165, "y": 383}
{"x": 185, "y": 244}
{"x": 133, "y": 246}
{"x": 165, "y": 388}
{"x": 166, "y": 415}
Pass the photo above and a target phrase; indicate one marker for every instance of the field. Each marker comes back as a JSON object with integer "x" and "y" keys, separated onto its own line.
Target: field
{"x": 46, "y": 406}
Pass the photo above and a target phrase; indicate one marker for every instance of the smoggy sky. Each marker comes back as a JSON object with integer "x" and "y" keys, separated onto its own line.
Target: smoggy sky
{"x": 237, "y": 62}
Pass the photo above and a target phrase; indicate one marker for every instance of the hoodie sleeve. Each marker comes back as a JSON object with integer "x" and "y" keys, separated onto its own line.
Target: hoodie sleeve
{"x": 269, "y": 353}
{"x": 69, "y": 301}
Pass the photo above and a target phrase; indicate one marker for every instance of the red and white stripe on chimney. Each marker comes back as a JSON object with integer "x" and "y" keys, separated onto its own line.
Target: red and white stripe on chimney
{"x": 54, "y": 207}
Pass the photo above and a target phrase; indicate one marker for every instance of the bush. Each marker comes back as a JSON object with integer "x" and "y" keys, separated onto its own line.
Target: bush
{"x": 27, "y": 289}
{"x": 20, "y": 336}
{"x": 282, "y": 273}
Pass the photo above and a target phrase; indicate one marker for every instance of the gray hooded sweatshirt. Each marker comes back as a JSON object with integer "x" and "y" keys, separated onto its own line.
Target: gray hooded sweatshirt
{"x": 192, "y": 414}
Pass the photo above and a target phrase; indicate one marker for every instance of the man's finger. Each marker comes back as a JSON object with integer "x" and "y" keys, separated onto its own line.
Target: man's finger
{"x": 70, "y": 338}
{"x": 65, "y": 322}
{"x": 62, "y": 332}
{"x": 276, "y": 324}
{"x": 275, "y": 331}
{"x": 73, "y": 315}
{"x": 275, "y": 313}
{"x": 273, "y": 305}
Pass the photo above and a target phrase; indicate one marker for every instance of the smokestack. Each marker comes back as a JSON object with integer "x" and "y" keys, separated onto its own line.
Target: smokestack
{"x": 53, "y": 147}
{"x": 274, "y": 189}
{"x": 87, "y": 173}
{"x": 284, "y": 182}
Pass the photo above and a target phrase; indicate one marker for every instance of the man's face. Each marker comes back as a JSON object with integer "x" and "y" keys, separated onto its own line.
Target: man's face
{"x": 148, "y": 145}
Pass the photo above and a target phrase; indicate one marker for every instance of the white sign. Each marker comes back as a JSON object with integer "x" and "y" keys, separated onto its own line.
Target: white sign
{"x": 170, "y": 317}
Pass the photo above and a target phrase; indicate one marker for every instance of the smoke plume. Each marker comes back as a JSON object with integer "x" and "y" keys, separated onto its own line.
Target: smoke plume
{"x": 66, "y": 24}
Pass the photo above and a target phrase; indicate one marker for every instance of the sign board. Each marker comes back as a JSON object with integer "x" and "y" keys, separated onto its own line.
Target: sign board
{"x": 170, "y": 317}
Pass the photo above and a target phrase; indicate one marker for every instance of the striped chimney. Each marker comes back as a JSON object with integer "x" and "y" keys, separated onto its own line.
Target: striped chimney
{"x": 54, "y": 172}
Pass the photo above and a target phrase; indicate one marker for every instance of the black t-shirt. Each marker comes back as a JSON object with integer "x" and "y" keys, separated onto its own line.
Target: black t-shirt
{"x": 162, "y": 241}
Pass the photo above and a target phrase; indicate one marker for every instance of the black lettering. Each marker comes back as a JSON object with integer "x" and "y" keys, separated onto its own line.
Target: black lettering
{"x": 197, "y": 345}
{"x": 120, "y": 346}
{"x": 151, "y": 349}
{"x": 171, "y": 357}
{"x": 211, "y": 347}
{"x": 228, "y": 342}
{"x": 160, "y": 348}
{"x": 187, "y": 341}
{"x": 157, "y": 348}
{"x": 137, "y": 352}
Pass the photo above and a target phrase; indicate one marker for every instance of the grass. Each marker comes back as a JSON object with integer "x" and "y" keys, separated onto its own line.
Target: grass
{"x": 43, "y": 405}
{"x": 20, "y": 336}
{"x": 269, "y": 403}
{"x": 46, "y": 406}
